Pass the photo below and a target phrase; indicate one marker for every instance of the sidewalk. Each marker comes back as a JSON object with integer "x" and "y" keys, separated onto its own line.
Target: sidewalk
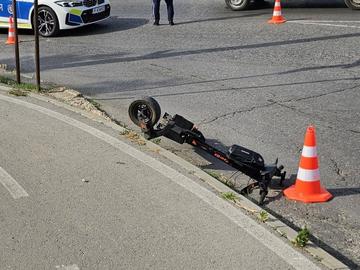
{"x": 93, "y": 201}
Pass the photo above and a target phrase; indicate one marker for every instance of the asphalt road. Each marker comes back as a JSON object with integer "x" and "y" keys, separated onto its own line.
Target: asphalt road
{"x": 75, "y": 196}
{"x": 241, "y": 80}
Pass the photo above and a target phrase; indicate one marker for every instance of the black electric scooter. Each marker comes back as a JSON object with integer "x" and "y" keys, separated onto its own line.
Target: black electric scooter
{"x": 145, "y": 113}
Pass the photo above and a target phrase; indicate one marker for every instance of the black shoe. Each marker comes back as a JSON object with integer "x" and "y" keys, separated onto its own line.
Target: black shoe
{"x": 171, "y": 23}
{"x": 156, "y": 22}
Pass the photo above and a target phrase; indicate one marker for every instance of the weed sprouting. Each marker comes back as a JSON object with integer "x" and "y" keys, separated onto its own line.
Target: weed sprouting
{"x": 302, "y": 238}
{"x": 156, "y": 140}
{"x": 263, "y": 216}
{"x": 229, "y": 196}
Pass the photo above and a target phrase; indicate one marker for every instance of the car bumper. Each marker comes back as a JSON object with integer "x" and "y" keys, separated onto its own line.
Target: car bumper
{"x": 73, "y": 18}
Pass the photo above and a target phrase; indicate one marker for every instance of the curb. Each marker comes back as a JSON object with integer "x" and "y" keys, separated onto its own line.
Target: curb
{"x": 242, "y": 202}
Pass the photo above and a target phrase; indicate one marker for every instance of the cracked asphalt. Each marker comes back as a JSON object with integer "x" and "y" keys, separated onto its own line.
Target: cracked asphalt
{"x": 242, "y": 81}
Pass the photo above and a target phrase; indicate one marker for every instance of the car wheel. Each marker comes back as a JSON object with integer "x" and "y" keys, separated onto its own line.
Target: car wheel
{"x": 48, "y": 22}
{"x": 237, "y": 4}
{"x": 146, "y": 109}
{"x": 354, "y": 4}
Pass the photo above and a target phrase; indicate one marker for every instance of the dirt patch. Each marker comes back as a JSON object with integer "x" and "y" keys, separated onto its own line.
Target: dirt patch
{"x": 76, "y": 99}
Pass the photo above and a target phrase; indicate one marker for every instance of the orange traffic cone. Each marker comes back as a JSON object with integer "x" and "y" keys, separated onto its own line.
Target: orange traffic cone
{"x": 11, "y": 36}
{"x": 277, "y": 17}
{"x": 307, "y": 187}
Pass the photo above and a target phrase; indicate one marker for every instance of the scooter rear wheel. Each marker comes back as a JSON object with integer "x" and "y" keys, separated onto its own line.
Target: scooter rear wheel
{"x": 145, "y": 109}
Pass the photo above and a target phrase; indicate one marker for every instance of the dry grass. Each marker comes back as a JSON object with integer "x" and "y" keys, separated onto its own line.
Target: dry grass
{"x": 133, "y": 137}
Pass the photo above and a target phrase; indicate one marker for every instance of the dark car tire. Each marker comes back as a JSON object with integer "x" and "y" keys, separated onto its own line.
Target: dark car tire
{"x": 238, "y": 4}
{"x": 48, "y": 22}
{"x": 354, "y": 4}
{"x": 148, "y": 107}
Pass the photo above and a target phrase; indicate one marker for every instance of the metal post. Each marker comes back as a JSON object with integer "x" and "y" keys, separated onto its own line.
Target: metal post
{"x": 17, "y": 61}
{"x": 37, "y": 54}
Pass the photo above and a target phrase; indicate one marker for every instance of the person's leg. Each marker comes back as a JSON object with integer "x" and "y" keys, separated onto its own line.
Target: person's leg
{"x": 170, "y": 10}
{"x": 156, "y": 11}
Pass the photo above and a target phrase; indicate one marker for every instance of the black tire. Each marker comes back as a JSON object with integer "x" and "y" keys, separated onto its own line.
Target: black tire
{"x": 48, "y": 22}
{"x": 237, "y": 4}
{"x": 148, "y": 108}
{"x": 354, "y": 4}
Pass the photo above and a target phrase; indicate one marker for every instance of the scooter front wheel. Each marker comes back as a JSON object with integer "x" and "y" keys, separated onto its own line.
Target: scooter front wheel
{"x": 144, "y": 110}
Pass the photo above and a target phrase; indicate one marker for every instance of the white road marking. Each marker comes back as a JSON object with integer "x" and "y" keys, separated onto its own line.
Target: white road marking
{"x": 272, "y": 242}
{"x": 325, "y": 24}
{"x": 11, "y": 185}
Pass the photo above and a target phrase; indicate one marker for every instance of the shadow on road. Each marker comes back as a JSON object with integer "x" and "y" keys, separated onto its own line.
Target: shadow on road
{"x": 104, "y": 85}
{"x": 224, "y": 18}
{"x": 113, "y": 24}
{"x": 132, "y": 86}
{"x": 313, "y": 4}
{"x": 81, "y": 60}
{"x": 340, "y": 192}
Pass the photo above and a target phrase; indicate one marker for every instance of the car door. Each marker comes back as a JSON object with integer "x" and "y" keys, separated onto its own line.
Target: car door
{"x": 4, "y": 14}
{"x": 6, "y": 11}
{"x": 24, "y": 8}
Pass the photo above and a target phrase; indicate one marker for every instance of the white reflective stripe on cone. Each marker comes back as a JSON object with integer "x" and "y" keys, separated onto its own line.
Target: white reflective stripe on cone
{"x": 277, "y": 13}
{"x": 309, "y": 151}
{"x": 308, "y": 175}
{"x": 277, "y": 4}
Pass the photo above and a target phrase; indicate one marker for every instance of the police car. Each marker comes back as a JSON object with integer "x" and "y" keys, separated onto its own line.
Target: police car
{"x": 55, "y": 15}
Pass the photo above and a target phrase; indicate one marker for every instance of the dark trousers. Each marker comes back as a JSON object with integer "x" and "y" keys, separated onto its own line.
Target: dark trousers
{"x": 170, "y": 9}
